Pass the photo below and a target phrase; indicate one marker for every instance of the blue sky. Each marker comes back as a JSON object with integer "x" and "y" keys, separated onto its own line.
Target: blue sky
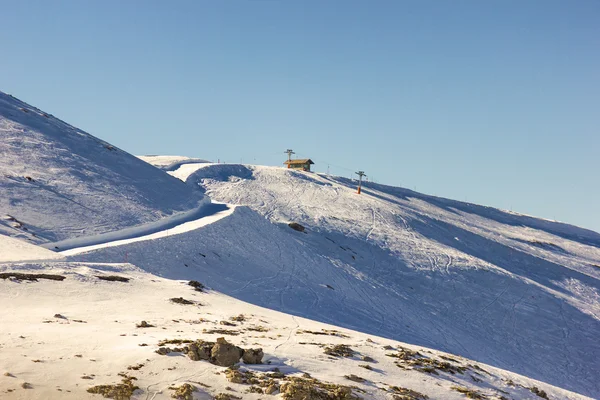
{"x": 493, "y": 102}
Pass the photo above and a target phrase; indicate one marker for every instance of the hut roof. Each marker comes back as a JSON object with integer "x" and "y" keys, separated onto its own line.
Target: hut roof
{"x": 300, "y": 161}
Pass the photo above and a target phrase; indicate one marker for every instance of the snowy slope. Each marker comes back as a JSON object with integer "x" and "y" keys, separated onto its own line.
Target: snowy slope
{"x": 58, "y": 182}
{"x": 17, "y": 250}
{"x": 512, "y": 291}
{"x": 60, "y": 338}
{"x": 171, "y": 163}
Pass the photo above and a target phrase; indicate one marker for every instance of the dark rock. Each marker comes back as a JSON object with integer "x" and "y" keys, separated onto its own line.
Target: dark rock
{"x": 296, "y": 226}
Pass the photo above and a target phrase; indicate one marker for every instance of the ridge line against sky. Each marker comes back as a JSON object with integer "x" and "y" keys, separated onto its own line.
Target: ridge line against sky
{"x": 492, "y": 102}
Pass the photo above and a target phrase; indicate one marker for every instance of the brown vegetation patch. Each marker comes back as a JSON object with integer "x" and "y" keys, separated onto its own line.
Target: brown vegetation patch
{"x": 257, "y": 328}
{"x": 401, "y": 393}
{"x": 221, "y": 331}
{"x": 410, "y": 359}
{"x": 31, "y": 277}
{"x": 339, "y": 350}
{"x": 226, "y": 396}
{"x": 174, "y": 341}
{"x": 181, "y": 300}
{"x": 471, "y": 394}
{"x": 328, "y": 332}
{"x": 199, "y": 287}
{"x": 183, "y": 392}
{"x": 120, "y": 391}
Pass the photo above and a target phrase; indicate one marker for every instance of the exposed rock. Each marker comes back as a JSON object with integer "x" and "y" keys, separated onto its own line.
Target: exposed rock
{"x": 163, "y": 351}
{"x": 199, "y": 287}
{"x": 226, "y": 396}
{"x": 234, "y": 376}
{"x": 253, "y": 356}
{"x": 225, "y": 354}
{"x": 296, "y": 226}
{"x": 355, "y": 378}
{"x": 112, "y": 278}
{"x": 200, "y": 350}
{"x": 271, "y": 389}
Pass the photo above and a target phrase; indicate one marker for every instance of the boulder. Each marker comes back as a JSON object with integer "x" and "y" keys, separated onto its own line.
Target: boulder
{"x": 253, "y": 356}
{"x": 296, "y": 226}
{"x": 225, "y": 354}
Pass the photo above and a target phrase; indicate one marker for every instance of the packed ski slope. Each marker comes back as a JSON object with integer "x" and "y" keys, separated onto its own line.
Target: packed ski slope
{"x": 58, "y": 182}
{"x": 512, "y": 291}
{"x": 61, "y": 339}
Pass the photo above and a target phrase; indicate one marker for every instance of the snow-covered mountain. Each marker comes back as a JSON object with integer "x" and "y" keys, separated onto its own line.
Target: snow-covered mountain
{"x": 58, "y": 182}
{"x": 435, "y": 298}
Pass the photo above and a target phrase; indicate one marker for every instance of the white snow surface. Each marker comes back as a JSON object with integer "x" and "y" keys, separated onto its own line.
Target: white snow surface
{"x": 17, "y": 250}
{"x": 58, "y": 182}
{"x": 516, "y": 293}
{"x": 509, "y": 290}
{"x": 60, "y": 338}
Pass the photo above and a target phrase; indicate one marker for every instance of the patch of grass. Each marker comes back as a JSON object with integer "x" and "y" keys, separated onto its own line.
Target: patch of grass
{"x": 31, "y": 277}
{"x": 183, "y": 392}
{"x": 181, "y": 300}
{"x": 471, "y": 394}
{"x": 174, "y": 341}
{"x": 340, "y": 350}
{"x": 226, "y": 396}
{"x": 328, "y": 332}
{"x": 401, "y": 393}
{"x": 221, "y": 331}
{"x": 258, "y": 328}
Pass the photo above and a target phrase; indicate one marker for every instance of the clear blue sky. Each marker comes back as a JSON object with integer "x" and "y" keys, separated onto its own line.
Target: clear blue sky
{"x": 495, "y": 102}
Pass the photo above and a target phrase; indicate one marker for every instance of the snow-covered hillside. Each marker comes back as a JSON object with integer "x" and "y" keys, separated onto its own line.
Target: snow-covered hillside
{"x": 512, "y": 291}
{"x": 58, "y": 182}
{"x": 519, "y": 295}
{"x": 85, "y": 329}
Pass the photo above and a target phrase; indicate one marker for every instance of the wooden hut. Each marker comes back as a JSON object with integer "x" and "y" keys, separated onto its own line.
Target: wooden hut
{"x": 303, "y": 164}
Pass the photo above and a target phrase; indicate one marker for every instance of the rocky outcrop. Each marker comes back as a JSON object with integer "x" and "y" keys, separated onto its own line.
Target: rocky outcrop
{"x": 225, "y": 354}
